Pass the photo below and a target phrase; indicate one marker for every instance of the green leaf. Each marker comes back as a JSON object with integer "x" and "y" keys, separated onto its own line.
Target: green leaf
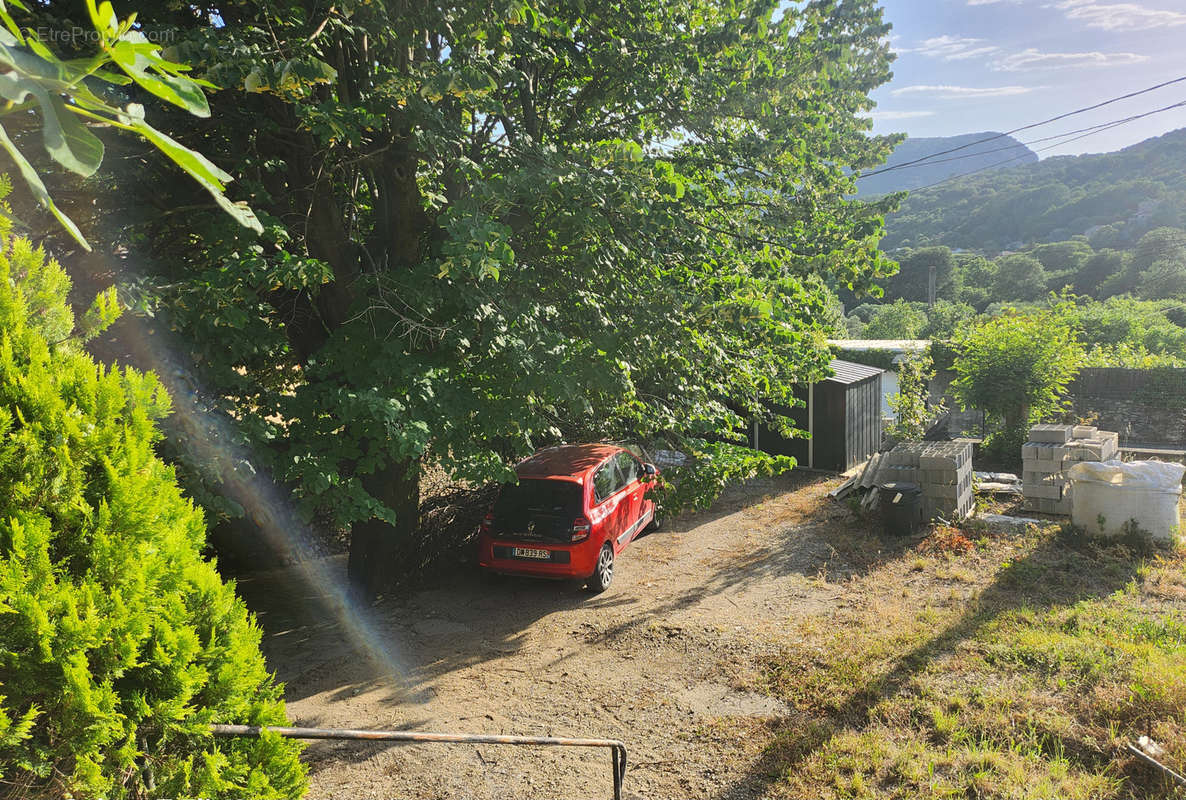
{"x": 38, "y": 188}
{"x": 103, "y": 17}
{"x": 200, "y": 168}
{"x": 67, "y": 140}
{"x": 174, "y": 89}
{"x": 82, "y": 151}
{"x": 103, "y": 312}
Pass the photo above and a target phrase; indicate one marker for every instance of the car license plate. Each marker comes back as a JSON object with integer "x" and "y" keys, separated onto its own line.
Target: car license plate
{"x": 529, "y": 552}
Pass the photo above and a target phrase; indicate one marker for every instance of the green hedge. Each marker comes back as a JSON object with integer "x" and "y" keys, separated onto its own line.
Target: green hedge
{"x": 119, "y": 643}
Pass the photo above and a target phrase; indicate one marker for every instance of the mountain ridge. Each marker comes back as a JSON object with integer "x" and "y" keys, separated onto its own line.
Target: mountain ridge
{"x": 973, "y": 151}
{"x": 1110, "y": 198}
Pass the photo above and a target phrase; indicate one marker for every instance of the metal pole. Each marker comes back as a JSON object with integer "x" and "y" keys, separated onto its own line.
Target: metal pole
{"x": 618, "y": 748}
{"x": 1148, "y": 759}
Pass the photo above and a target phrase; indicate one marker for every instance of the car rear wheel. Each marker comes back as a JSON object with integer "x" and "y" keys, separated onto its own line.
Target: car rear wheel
{"x": 603, "y": 575}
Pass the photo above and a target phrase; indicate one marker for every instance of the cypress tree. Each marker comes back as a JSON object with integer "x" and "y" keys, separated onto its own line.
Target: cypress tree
{"x": 119, "y": 642}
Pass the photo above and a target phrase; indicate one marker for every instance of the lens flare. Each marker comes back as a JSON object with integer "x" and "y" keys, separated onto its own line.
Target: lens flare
{"x": 207, "y": 437}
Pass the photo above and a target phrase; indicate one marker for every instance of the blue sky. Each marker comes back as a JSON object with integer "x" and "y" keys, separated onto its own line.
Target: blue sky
{"x": 979, "y": 65}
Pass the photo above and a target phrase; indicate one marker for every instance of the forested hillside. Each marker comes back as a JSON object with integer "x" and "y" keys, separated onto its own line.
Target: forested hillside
{"x": 970, "y": 151}
{"x": 1113, "y": 199}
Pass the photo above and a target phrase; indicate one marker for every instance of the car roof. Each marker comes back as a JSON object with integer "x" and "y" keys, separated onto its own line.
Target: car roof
{"x": 566, "y": 460}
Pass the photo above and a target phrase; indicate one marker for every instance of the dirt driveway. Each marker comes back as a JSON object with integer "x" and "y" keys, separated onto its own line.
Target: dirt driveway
{"x": 656, "y": 661}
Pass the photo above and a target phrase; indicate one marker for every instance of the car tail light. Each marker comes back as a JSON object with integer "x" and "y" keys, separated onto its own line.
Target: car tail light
{"x": 580, "y": 529}
{"x": 487, "y": 522}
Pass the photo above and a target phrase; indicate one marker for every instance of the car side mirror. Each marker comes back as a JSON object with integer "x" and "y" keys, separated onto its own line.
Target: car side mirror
{"x": 649, "y": 470}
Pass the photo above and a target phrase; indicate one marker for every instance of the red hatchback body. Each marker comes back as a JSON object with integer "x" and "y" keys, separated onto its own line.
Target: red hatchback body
{"x": 574, "y": 509}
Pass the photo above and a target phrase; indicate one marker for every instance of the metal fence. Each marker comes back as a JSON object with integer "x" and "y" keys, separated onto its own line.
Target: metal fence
{"x": 617, "y": 749}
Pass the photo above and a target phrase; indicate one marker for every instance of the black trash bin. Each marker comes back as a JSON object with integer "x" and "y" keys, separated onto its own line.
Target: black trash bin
{"x": 901, "y": 508}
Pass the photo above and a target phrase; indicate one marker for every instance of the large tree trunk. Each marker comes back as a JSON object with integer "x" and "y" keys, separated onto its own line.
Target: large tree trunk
{"x": 378, "y": 549}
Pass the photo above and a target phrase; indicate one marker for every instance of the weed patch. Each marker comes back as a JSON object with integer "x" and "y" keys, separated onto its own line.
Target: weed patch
{"x": 1029, "y": 687}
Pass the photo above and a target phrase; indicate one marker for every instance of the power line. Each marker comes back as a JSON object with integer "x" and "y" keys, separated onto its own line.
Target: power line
{"x": 1028, "y": 127}
{"x": 1099, "y": 129}
{"x": 1090, "y": 128}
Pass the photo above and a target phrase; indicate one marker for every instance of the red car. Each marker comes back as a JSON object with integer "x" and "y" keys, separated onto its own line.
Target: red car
{"x": 574, "y": 509}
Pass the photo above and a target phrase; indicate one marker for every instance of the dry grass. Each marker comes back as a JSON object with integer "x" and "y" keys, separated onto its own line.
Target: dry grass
{"x": 978, "y": 666}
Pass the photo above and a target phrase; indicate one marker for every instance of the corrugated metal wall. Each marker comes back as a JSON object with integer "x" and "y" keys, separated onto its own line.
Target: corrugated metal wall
{"x": 847, "y": 421}
{"x": 862, "y": 421}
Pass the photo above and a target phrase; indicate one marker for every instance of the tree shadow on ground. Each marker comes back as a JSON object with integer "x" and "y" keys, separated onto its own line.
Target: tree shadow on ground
{"x": 1058, "y": 572}
{"x": 464, "y": 620}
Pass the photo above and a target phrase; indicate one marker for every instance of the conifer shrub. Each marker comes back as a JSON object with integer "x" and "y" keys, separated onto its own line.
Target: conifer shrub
{"x": 119, "y": 642}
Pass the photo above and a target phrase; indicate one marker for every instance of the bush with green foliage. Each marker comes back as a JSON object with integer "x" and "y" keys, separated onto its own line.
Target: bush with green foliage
{"x": 911, "y": 403}
{"x": 1124, "y": 322}
{"x": 119, "y": 643}
{"x": 1016, "y": 368}
{"x": 1019, "y": 277}
{"x": 897, "y": 320}
{"x": 1130, "y": 357}
{"x": 712, "y": 466}
{"x": 945, "y": 319}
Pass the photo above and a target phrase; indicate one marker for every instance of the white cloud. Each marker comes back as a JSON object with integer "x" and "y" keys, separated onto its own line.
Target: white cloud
{"x": 1120, "y": 16}
{"x": 957, "y": 92}
{"x": 1034, "y": 59}
{"x": 892, "y": 115}
{"x": 950, "y": 48}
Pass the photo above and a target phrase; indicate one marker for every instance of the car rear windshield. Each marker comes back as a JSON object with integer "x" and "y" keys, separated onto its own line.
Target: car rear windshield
{"x": 538, "y": 497}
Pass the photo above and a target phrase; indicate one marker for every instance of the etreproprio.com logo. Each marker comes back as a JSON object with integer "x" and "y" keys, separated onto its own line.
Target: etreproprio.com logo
{"x": 80, "y": 35}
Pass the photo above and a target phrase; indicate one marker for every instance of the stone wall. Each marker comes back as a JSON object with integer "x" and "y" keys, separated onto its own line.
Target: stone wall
{"x": 1145, "y": 406}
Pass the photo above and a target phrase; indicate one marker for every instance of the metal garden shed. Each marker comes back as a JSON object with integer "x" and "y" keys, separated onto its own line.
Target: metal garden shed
{"x": 841, "y": 414}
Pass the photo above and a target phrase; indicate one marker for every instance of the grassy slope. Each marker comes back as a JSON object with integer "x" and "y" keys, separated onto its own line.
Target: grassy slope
{"x": 1018, "y": 669}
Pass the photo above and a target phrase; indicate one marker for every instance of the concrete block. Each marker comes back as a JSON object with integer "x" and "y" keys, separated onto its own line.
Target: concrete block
{"x": 1054, "y": 434}
{"x": 940, "y": 492}
{"x": 1085, "y": 452}
{"x": 939, "y": 462}
{"x": 1084, "y": 432}
{"x": 1041, "y": 466}
{"x": 1042, "y": 490}
{"x": 941, "y": 477}
{"x": 898, "y": 472}
{"x": 904, "y": 454}
{"x": 1044, "y": 478}
{"x": 1045, "y": 452}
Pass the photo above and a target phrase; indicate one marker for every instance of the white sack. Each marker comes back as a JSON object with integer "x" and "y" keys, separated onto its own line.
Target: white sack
{"x": 1106, "y": 495}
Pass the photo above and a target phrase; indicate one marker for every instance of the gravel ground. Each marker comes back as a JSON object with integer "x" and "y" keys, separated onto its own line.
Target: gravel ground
{"x": 658, "y": 661}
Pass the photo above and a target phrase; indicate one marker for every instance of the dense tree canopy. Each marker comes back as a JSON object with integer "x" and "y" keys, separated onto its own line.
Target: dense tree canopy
{"x": 490, "y": 227}
{"x": 915, "y": 270}
{"x": 1019, "y": 277}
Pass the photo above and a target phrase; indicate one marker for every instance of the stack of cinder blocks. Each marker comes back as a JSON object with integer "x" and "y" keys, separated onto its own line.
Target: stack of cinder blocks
{"x": 1050, "y": 452}
{"x": 943, "y": 470}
